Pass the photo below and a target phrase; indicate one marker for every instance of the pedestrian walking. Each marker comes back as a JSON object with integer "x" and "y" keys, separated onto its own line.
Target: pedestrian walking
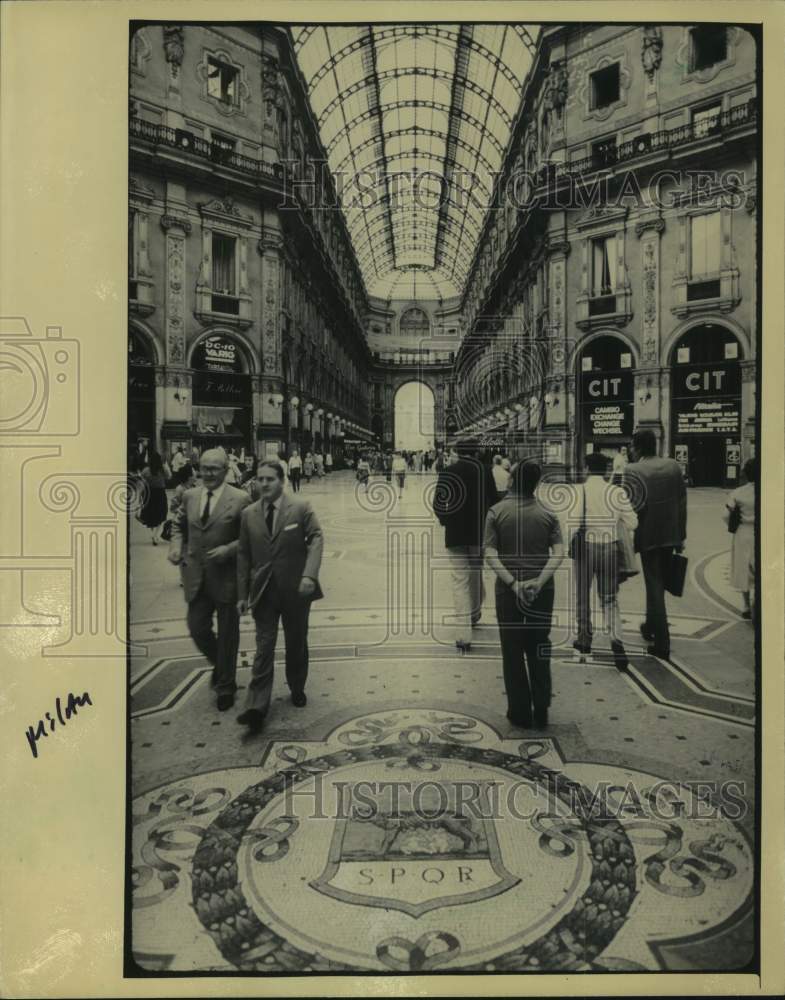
{"x": 464, "y": 492}
{"x": 739, "y": 515}
{"x": 156, "y": 506}
{"x": 328, "y": 462}
{"x": 308, "y": 467}
{"x": 524, "y": 548}
{"x": 278, "y": 561}
{"x": 399, "y": 470}
{"x": 295, "y": 470}
{"x": 318, "y": 462}
{"x": 659, "y": 498}
{"x": 204, "y": 545}
{"x": 595, "y": 554}
{"x": 363, "y": 472}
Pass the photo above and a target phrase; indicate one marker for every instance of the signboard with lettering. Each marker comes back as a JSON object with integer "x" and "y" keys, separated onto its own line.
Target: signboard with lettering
{"x": 720, "y": 379}
{"x": 706, "y": 399}
{"x": 708, "y": 416}
{"x": 222, "y": 388}
{"x": 217, "y": 353}
{"x": 606, "y": 403}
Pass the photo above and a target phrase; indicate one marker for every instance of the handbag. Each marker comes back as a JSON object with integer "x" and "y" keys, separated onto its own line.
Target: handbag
{"x": 676, "y": 574}
{"x": 578, "y": 540}
{"x": 627, "y": 564}
{"x": 734, "y": 518}
{"x": 166, "y": 530}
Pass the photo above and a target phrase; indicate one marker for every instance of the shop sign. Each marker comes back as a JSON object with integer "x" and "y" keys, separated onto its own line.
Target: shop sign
{"x": 222, "y": 388}
{"x": 141, "y": 382}
{"x": 218, "y": 353}
{"x": 606, "y": 403}
{"x": 720, "y": 379}
{"x": 708, "y": 416}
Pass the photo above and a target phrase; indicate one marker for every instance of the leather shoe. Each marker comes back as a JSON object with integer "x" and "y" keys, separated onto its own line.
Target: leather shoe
{"x": 224, "y": 702}
{"x": 299, "y": 699}
{"x": 252, "y": 718}
{"x": 646, "y": 632}
{"x": 581, "y": 648}
{"x": 463, "y": 647}
{"x": 661, "y": 654}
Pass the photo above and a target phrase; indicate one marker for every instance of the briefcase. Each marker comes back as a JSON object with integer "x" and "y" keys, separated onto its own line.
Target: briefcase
{"x": 676, "y": 574}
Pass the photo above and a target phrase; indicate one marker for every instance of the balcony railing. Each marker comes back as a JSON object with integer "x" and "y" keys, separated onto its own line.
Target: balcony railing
{"x": 652, "y": 142}
{"x": 187, "y": 142}
{"x": 416, "y": 359}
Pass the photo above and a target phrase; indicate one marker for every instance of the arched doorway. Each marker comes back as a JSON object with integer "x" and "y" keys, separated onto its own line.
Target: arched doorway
{"x": 706, "y": 404}
{"x": 222, "y": 403}
{"x": 605, "y": 387}
{"x": 414, "y": 421}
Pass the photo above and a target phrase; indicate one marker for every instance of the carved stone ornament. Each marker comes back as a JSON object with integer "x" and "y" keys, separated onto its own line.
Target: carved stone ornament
{"x": 175, "y": 222}
{"x": 227, "y": 208}
{"x": 174, "y": 44}
{"x": 651, "y": 49}
{"x": 556, "y": 94}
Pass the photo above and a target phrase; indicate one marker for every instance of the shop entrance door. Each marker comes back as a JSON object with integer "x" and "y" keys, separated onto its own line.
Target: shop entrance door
{"x": 707, "y": 461}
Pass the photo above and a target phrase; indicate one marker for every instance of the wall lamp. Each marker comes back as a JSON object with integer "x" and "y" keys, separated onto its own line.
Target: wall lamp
{"x": 181, "y": 396}
{"x": 294, "y": 401}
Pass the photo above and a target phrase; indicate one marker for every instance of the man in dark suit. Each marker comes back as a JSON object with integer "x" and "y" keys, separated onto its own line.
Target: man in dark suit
{"x": 659, "y": 498}
{"x": 278, "y": 560}
{"x": 204, "y": 546}
{"x": 464, "y": 492}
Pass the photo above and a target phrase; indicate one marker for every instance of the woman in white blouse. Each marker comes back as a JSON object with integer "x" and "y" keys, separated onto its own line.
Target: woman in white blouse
{"x": 742, "y": 571}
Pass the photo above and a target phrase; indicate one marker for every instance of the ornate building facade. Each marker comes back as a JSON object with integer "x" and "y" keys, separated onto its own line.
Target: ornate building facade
{"x": 615, "y": 283}
{"x": 246, "y": 307}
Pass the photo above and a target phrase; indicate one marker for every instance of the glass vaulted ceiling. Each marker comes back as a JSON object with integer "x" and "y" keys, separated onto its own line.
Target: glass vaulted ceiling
{"x": 415, "y": 120}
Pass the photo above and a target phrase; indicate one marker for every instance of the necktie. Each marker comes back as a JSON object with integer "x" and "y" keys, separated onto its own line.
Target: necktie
{"x": 269, "y": 516}
{"x": 206, "y": 514}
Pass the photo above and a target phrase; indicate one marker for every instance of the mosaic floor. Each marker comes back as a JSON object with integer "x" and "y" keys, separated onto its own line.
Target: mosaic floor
{"x": 399, "y": 822}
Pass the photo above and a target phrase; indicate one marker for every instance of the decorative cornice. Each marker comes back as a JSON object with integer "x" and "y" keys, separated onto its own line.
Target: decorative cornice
{"x": 175, "y": 222}
{"x": 557, "y": 246}
{"x": 138, "y": 192}
{"x": 225, "y": 208}
{"x": 600, "y": 215}
{"x": 654, "y": 223}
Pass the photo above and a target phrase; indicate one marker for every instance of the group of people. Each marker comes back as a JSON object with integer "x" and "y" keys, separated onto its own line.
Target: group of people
{"x": 493, "y": 517}
{"x": 252, "y": 547}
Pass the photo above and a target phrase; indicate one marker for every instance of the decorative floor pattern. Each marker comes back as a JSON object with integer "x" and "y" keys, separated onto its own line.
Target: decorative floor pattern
{"x": 417, "y": 840}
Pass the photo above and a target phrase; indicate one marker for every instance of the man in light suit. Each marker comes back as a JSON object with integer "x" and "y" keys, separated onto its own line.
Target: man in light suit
{"x": 278, "y": 560}
{"x": 659, "y": 498}
{"x": 204, "y": 546}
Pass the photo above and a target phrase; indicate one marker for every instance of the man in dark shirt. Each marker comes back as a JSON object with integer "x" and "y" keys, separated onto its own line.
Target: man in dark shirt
{"x": 464, "y": 492}
{"x": 523, "y": 546}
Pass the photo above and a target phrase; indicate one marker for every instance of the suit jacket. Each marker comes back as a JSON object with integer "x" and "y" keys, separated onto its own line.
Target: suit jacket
{"x": 193, "y": 540}
{"x": 659, "y": 497}
{"x": 464, "y": 493}
{"x": 293, "y": 551}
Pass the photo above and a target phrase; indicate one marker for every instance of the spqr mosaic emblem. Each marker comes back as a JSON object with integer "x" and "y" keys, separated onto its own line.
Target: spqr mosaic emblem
{"x": 415, "y": 859}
